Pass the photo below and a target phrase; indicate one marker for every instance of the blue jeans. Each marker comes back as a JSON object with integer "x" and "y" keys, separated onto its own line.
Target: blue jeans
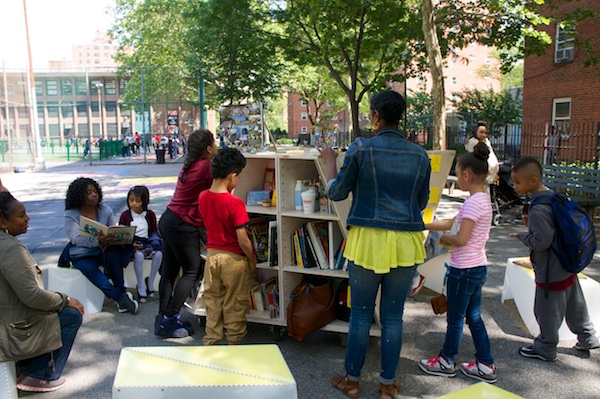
{"x": 363, "y": 291}
{"x": 464, "y": 302}
{"x": 41, "y": 367}
{"x": 89, "y": 266}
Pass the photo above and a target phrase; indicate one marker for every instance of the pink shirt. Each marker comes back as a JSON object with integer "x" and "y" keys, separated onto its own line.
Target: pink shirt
{"x": 477, "y": 208}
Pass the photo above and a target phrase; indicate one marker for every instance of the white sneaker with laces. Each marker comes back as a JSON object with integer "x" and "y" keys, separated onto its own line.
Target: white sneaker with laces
{"x": 437, "y": 365}
{"x": 479, "y": 371}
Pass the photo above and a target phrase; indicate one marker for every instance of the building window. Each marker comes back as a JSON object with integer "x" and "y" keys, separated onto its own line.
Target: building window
{"x": 80, "y": 88}
{"x": 52, "y": 110}
{"x": 52, "y": 88}
{"x": 453, "y": 64}
{"x": 82, "y": 110}
{"x": 488, "y": 86}
{"x": 304, "y": 116}
{"x": 471, "y": 57}
{"x": 67, "y": 111}
{"x": 304, "y": 130}
{"x": 23, "y": 112}
{"x": 93, "y": 88}
{"x": 564, "y": 50}
{"x": 303, "y": 102}
{"x": 472, "y": 86}
{"x": 111, "y": 87}
{"x": 488, "y": 60}
{"x": 66, "y": 87}
{"x": 39, "y": 89}
{"x": 453, "y": 80}
{"x": 561, "y": 109}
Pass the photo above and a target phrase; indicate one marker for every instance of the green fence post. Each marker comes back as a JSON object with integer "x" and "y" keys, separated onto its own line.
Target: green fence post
{"x": 68, "y": 145}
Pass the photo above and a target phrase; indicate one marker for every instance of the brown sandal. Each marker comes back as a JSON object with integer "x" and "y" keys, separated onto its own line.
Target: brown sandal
{"x": 342, "y": 383}
{"x": 388, "y": 391}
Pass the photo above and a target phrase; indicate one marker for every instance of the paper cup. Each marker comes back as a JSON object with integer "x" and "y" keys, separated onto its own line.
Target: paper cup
{"x": 309, "y": 198}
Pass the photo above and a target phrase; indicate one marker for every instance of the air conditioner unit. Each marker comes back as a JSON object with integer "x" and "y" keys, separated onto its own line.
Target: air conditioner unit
{"x": 565, "y": 54}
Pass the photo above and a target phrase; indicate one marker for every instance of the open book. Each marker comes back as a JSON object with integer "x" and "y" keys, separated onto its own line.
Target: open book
{"x": 91, "y": 228}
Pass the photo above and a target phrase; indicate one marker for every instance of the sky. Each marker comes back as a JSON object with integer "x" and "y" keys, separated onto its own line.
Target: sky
{"x": 54, "y": 26}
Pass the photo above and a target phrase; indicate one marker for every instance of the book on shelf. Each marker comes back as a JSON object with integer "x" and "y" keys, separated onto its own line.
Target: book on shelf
{"x": 272, "y": 252}
{"x": 317, "y": 245}
{"x": 310, "y": 254}
{"x": 258, "y": 230}
{"x": 341, "y": 261}
{"x": 91, "y": 228}
{"x": 269, "y": 182}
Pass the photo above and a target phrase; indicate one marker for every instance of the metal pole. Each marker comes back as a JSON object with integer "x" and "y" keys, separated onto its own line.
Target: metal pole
{"x": 6, "y": 111}
{"x": 99, "y": 89}
{"x": 201, "y": 100}
{"x": 40, "y": 164}
{"x": 87, "y": 90}
{"x": 143, "y": 114}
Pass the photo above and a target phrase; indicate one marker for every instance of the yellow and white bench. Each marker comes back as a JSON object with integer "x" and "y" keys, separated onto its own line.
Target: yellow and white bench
{"x": 481, "y": 390}
{"x": 73, "y": 283}
{"x": 224, "y": 372}
{"x": 519, "y": 284}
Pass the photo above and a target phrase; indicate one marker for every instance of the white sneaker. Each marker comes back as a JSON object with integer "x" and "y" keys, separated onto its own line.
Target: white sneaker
{"x": 437, "y": 365}
{"x": 479, "y": 371}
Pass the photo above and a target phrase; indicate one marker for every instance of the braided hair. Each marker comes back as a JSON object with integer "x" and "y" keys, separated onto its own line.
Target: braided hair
{"x": 77, "y": 192}
{"x": 197, "y": 142}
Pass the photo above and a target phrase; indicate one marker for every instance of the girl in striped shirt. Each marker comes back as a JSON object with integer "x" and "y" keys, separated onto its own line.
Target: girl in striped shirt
{"x": 467, "y": 273}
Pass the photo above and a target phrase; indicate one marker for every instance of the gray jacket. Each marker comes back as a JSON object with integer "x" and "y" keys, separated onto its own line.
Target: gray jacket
{"x": 24, "y": 299}
{"x": 86, "y": 245}
{"x": 539, "y": 239}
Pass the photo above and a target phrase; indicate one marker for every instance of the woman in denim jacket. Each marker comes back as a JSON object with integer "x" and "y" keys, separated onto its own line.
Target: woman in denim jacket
{"x": 388, "y": 177}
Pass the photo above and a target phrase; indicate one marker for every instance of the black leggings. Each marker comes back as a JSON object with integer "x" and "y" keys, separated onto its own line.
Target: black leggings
{"x": 181, "y": 250}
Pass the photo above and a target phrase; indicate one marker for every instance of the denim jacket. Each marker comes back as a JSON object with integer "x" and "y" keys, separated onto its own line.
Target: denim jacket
{"x": 388, "y": 177}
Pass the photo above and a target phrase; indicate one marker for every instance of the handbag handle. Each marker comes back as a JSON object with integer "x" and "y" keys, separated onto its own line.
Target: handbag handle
{"x": 307, "y": 289}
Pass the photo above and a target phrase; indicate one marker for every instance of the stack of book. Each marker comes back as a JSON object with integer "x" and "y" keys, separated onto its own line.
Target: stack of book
{"x": 264, "y": 297}
{"x": 263, "y": 234}
{"x": 313, "y": 245}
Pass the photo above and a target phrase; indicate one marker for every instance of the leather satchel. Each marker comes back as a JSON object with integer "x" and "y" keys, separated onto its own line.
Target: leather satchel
{"x": 311, "y": 307}
{"x": 439, "y": 304}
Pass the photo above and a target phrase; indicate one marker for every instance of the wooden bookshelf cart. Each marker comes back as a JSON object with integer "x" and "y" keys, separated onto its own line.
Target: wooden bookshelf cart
{"x": 288, "y": 169}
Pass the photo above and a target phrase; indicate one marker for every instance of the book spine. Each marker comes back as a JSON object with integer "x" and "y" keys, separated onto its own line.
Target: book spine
{"x": 317, "y": 245}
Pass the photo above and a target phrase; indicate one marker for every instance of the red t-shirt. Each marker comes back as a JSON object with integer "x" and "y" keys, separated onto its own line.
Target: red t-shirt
{"x": 223, "y": 214}
{"x": 184, "y": 202}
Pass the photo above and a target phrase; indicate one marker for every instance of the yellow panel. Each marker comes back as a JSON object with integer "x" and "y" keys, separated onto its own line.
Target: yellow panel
{"x": 428, "y": 215}
{"x": 434, "y": 195}
{"x": 202, "y": 366}
{"x": 481, "y": 390}
{"x": 436, "y": 161}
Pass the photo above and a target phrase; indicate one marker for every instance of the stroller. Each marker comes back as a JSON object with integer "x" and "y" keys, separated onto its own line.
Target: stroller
{"x": 503, "y": 194}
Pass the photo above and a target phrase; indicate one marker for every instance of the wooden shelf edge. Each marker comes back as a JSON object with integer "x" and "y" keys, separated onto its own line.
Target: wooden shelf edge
{"x": 316, "y": 271}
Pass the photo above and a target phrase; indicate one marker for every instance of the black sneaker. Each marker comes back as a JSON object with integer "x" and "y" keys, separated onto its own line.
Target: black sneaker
{"x": 527, "y": 351}
{"x": 169, "y": 327}
{"x": 128, "y": 304}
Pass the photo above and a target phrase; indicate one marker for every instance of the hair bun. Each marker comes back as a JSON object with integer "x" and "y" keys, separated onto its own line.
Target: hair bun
{"x": 481, "y": 151}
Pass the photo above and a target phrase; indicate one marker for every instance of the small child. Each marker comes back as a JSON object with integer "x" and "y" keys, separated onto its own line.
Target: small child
{"x": 230, "y": 251}
{"x": 467, "y": 273}
{"x": 563, "y": 298}
{"x": 147, "y": 243}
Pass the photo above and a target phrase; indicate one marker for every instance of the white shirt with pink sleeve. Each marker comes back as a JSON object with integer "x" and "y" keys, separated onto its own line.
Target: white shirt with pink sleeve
{"x": 477, "y": 208}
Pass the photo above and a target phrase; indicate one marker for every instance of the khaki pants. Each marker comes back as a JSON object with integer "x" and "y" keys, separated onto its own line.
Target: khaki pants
{"x": 226, "y": 296}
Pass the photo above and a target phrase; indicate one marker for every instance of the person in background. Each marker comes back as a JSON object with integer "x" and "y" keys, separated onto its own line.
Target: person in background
{"x": 180, "y": 228}
{"x": 467, "y": 273}
{"x": 27, "y": 308}
{"x": 147, "y": 242}
{"x": 558, "y": 294}
{"x": 481, "y": 135}
{"x": 388, "y": 177}
{"x": 230, "y": 251}
{"x": 84, "y": 198}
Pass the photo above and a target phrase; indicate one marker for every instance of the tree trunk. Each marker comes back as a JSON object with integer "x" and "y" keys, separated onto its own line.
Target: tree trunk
{"x": 434, "y": 55}
{"x": 355, "y": 114}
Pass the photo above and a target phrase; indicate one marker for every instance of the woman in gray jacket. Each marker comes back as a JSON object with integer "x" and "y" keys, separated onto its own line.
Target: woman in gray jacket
{"x": 37, "y": 327}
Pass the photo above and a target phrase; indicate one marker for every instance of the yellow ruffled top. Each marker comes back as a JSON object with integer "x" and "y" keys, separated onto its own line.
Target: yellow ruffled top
{"x": 381, "y": 250}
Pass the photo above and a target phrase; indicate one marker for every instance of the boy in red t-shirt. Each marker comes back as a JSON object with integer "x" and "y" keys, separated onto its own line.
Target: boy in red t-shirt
{"x": 230, "y": 251}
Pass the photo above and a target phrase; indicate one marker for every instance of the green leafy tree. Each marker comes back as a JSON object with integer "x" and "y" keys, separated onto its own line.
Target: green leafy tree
{"x": 231, "y": 42}
{"x": 151, "y": 36}
{"x": 360, "y": 42}
{"x": 419, "y": 110}
{"x": 497, "y": 109}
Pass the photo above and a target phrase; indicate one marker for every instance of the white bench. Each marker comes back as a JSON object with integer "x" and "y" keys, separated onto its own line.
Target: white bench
{"x": 224, "y": 372}
{"x": 8, "y": 385}
{"x": 73, "y": 283}
{"x": 519, "y": 284}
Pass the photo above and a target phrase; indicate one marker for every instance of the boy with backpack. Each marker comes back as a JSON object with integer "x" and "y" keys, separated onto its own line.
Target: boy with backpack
{"x": 555, "y": 223}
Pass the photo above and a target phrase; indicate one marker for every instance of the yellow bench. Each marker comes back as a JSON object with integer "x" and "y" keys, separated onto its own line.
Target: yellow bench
{"x": 481, "y": 390}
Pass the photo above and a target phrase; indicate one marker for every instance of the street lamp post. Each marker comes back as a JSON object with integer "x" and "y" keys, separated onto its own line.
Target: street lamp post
{"x": 99, "y": 89}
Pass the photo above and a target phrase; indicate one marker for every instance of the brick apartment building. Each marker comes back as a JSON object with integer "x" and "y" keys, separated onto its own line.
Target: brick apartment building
{"x": 561, "y": 98}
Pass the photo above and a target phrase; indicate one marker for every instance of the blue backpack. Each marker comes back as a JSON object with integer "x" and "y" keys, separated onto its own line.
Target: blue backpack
{"x": 575, "y": 232}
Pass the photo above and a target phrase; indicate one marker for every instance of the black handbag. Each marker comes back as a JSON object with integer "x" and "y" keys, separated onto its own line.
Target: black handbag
{"x": 64, "y": 260}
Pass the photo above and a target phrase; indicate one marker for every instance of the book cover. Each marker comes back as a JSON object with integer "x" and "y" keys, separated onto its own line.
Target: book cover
{"x": 311, "y": 256}
{"x": 259, "y": 231}
{"x": 339, "y": 263}
{"x": 303, "y": 249}
{"x": 91, "y": 228}
{"x": 317, "y": 244}
{"x": 269, "y": 183}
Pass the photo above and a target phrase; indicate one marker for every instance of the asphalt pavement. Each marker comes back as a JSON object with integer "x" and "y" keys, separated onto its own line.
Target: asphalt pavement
{"x": 93, "y": 361}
